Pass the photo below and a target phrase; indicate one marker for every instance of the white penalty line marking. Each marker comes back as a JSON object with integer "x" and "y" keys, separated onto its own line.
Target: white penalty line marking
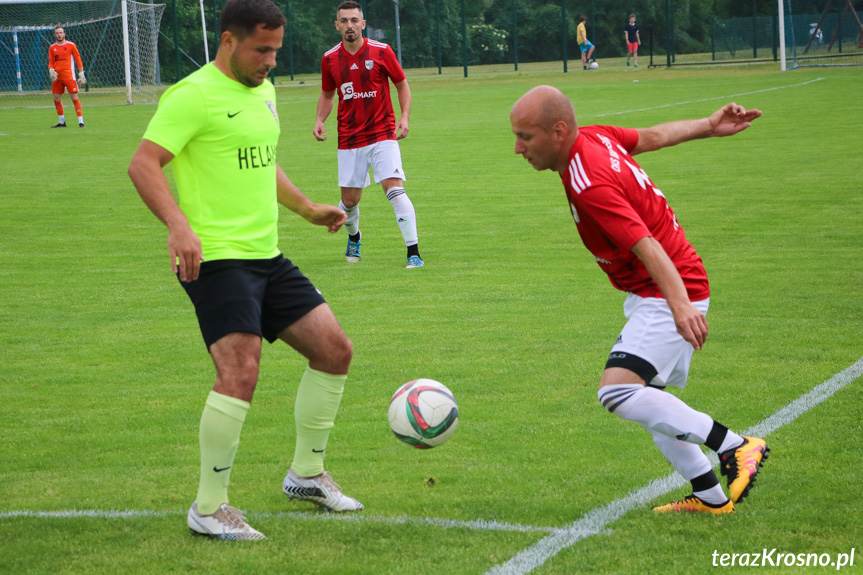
{"x": 597, "y": 520}
{"x": 479, "y": 525}
{"x": 708, "y": 99}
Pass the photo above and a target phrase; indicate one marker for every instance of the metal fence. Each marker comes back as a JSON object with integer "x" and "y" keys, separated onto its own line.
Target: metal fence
{"x": 477, "y": 36}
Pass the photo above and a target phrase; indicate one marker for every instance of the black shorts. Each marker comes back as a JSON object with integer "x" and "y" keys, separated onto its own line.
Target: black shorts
{"x": 250, "y": 296}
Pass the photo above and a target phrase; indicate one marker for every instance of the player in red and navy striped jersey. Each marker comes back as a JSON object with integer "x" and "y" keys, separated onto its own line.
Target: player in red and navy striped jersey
{"x": 629, "y": 228}
{"x": 360, "y": 70}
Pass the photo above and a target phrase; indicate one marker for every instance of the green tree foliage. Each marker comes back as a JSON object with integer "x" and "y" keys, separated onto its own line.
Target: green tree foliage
{"x": 498, "y": 31}
{"x": 189, "y": 39}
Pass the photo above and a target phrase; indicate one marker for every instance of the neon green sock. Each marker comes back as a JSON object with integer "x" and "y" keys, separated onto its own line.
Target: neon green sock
{"x": 318, "y": 399}
{"x": 221, "y": 424}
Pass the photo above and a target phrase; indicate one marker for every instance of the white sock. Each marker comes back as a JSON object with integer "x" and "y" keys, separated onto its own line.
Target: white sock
{"x": 690, "y": 462}
{"x": 656, "y": 411}
{"x": 731, "y": 441}
{"x": 714, "y": 495}
{"x": 686, "y": 458}
{"x": 352, "y": 224}
{"x": 405, "y": 215}
{"x": 80, "y": 120}
{"x": 62, "y": 119}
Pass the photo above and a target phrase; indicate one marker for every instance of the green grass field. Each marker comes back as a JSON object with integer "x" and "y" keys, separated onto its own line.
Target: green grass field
{"x": 103, "y": 374}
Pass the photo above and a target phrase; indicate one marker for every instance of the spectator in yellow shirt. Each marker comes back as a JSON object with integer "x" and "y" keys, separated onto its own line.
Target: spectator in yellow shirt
{"x": 583, "y": 43}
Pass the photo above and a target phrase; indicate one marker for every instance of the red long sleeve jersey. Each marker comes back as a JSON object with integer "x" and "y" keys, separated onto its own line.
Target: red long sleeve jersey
{"x": 60, "y": 58}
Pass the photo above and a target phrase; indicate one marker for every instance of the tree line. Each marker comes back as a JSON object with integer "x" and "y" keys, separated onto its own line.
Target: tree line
{"x": 445, "y": 32}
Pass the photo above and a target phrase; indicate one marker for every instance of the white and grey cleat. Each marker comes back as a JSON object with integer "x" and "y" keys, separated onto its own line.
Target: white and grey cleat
{"x": 320, "y": 490}
{"x": 225, "y": 523}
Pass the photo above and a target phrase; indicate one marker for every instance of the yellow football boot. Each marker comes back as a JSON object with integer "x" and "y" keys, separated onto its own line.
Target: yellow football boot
{"x": 693, "y": 504}
{"x": 742, "y": 465}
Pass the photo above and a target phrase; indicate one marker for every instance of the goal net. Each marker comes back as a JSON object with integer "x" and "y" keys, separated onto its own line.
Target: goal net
{"x": 821, "y": 33}
{"x": 117, "y": 39}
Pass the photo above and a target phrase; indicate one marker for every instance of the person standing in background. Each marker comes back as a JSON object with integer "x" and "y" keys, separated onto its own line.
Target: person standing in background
{"x": 584, "y": 44}
{"x": 360, "y": 69}
{"x": 61, "y": 70}
{"x": 633, "y": 40}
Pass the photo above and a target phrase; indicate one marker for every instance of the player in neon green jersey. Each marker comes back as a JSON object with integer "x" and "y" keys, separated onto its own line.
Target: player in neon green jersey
{"x": 219, "y": 129}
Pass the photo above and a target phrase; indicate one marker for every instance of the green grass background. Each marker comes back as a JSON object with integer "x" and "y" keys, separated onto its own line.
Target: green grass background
{"x": 103, "y": 374}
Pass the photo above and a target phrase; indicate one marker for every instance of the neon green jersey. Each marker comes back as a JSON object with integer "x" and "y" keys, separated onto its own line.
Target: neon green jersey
{"x": 223, "y": 136}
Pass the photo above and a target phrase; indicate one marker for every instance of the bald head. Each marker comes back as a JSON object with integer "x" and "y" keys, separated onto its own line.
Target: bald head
{"x": 545, "y": 128}
{"x": 544, "y": 106}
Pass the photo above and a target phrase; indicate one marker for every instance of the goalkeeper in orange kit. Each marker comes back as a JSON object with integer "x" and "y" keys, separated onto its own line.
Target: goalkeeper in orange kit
{"x": 62, "y": 73}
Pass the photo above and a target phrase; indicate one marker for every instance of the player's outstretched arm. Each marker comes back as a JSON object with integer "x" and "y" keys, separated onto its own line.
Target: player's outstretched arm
{"x": 731, "y": 119}
{"x": 325, "y": 106}
{"x": 292, "y": 198}
{"x": 184, "y": 246}
{"x": 727, "y": 121}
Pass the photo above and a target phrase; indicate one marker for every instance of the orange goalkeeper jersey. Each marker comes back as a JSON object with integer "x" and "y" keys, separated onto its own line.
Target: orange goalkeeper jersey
{"x": 60, "y": 58}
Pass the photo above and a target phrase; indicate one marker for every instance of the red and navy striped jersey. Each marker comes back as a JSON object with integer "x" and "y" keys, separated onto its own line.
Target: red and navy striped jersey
{"x": 365, "y": 113}
{"x": 615, "y": 204}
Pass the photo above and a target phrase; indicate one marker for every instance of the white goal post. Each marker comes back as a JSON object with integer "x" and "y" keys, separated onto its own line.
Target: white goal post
{"x": 117, "y": 40}
{"x": 783, "y": 62}
{"x": 819, "y": 33}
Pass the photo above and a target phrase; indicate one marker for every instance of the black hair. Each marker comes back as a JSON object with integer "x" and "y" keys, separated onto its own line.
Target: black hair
{"x": 241, "y": 17}
{"x": 349, "y": 5}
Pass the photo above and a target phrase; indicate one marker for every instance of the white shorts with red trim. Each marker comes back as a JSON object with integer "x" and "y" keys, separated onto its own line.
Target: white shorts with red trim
{"x": 384, "y": 158}
{"x": 650, "y": 334}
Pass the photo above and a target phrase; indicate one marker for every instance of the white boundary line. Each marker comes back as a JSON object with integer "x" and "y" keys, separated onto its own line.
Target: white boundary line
{"x": 707, "y": 99}
{"x": 591, "y": 523}
{"x": 479, "y": 525}
{"x": 598, "y": 519}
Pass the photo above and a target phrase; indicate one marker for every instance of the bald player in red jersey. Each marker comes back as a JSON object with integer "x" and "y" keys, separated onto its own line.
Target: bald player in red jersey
{"x": 60, "y": 69}
{"x": 632, "y": 232}
{"x": 360, "y": 70}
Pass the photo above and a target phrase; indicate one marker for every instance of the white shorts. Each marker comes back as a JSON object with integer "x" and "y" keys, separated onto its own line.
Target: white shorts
{"x": 384, "y": 157}
{"x": 650, "y": 334}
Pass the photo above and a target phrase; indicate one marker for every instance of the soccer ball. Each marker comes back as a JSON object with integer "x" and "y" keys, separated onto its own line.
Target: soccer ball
{"x": 594, "y": 65}
{"x": 423, "y": 413}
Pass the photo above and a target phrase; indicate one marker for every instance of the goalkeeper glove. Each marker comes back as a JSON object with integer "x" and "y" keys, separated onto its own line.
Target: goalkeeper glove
{"x": 52, "y": 73}
{"x": 81, "y": 79}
